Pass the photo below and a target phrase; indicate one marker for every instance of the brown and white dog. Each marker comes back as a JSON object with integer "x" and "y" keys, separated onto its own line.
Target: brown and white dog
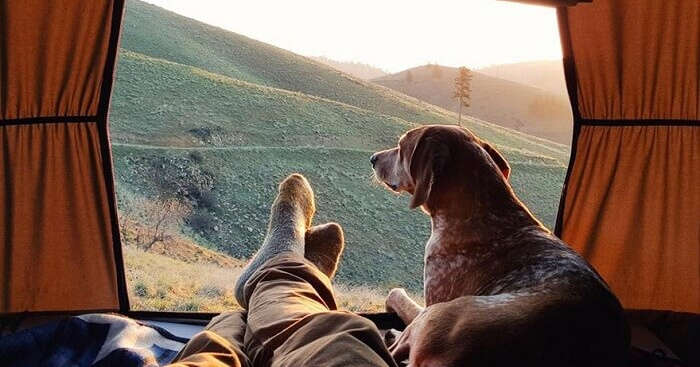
{"x": 500, "y": 289}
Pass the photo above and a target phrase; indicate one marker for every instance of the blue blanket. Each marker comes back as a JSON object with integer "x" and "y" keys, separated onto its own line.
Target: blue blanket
{"x": 91, "y": 340}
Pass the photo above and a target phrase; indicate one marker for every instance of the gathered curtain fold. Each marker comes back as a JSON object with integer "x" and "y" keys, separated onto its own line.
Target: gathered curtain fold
{"x": 631, "y": 201}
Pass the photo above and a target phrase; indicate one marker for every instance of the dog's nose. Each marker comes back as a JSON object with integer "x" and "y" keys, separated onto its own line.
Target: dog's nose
{"x": 373, "y": 159}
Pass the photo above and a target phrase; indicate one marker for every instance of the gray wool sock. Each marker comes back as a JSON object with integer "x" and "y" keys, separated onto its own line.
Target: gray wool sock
{"x": 290, "y": 217}
{"x": 323, "y": 246}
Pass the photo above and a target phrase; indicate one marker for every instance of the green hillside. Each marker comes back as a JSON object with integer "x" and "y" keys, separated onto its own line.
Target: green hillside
{"x": 216, "y": 120}
{"x": 152, "y": 31}
{"x": 162, "y": 103}
{"x": 160, "y": 34}
{"x": 233, "y": 188}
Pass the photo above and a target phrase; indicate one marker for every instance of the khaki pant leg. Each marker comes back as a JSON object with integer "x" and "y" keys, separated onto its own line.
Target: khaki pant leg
{"x": 219, "y": 345}
{"x": 292, "y": 320}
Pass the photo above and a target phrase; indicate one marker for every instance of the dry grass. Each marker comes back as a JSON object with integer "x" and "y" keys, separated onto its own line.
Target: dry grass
{"x": 364, "y": 298}
{"x": 163, "y": 283}
{"x": 158, "y": 282}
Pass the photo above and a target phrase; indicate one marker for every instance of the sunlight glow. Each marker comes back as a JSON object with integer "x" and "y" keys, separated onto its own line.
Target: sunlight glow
{"x": 390, "y": 34}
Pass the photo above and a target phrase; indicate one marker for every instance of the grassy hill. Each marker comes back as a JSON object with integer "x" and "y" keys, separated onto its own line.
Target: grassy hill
{"x": 543, "y": 74}
{"x": 215, "y": 120}
{"x": 356, "y": 69}
{"x": 514, "y": 105}
{"x": 152, "y": 31}
{"x": 158, "y": 102}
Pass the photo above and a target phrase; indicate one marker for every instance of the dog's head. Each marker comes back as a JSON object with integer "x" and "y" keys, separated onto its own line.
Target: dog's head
{"x": 433, "y": 155}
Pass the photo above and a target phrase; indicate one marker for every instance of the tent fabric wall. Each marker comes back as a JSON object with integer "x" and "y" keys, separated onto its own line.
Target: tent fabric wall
{"x": 637, "y": 59}
{"x": 53, "y": 55}
{"x": 640, "y": 230}
{"x": 59, "y": 250}
{"x": 631, "y": 202}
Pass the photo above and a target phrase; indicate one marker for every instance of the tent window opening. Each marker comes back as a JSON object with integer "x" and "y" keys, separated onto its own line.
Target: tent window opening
{"x": 209, "y": 115}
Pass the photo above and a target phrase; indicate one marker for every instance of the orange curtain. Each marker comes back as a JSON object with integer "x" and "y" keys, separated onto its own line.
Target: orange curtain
{"x": 54, "y": 222}
{"x": 632, "y": 200}
{"x": 58, "y": 247}
{"x": 633, "y": 210}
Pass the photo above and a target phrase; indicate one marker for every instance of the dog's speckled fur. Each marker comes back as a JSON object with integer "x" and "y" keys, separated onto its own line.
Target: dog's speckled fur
{"x": 500, "y": 289}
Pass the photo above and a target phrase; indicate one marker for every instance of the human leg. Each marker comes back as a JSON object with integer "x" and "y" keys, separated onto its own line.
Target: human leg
{"x": 292, "y": 316}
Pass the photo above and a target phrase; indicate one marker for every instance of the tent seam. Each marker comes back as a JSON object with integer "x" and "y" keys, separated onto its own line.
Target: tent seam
{"x": 106, "y": 149}
{"x": 41, "y": 120}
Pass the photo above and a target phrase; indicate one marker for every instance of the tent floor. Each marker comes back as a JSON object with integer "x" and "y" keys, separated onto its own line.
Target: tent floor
{"x": 178, "y": 329}
{"x": 675, "y": 334}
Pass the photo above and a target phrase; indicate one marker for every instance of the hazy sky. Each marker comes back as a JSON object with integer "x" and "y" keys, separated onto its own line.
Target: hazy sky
{"x": 393, "y": 35}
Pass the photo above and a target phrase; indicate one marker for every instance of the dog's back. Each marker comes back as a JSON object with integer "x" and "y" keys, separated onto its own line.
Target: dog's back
{"x": 529, "y": 300}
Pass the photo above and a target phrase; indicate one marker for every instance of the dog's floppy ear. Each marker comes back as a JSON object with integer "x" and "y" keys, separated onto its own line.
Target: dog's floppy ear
{"x": 497, "y": 158}
{"x": 427, "y": 162}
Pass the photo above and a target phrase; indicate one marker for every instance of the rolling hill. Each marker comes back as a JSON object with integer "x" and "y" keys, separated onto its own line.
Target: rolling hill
{"x": 356, "y": 69}
{"x": 514, "y": 105}
{"x": 543, "y": 74}
{"x": 155, "y": 32}
{"x": 215, "y": 120}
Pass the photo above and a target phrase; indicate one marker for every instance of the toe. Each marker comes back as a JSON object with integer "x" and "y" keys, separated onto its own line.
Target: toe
{"x": 323, "y": 246}
{"x": 295, "y": 188}
{"x": 296, "y": 183}
{"x": 325, "y": 236}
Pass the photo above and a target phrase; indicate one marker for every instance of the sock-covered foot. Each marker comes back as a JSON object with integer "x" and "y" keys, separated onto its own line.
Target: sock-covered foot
{"x": 290, "y": 217}
{"x": 324, "y": 245}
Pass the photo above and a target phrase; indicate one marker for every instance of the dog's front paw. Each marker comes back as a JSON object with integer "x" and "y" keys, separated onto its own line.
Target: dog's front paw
{"x": 395, "y": 298}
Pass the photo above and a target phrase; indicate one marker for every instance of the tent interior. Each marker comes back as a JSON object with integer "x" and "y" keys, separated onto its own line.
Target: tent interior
{"x": 630, "y": 203}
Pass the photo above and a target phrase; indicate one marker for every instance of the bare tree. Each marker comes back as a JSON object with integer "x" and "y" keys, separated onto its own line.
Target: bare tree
{"x": 165, "y": 215}
{"x": 147, "y": 222}
{"x": 463, "y": 89}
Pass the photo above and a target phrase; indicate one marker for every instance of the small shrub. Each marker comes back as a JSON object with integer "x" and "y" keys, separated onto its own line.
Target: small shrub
{"x": 207, "y": 199}
{"x": 141, "y": 290}
{"x": 201, "y": 222}
{"x": 201, "y": 133}
{"x": 196, "y": 156}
